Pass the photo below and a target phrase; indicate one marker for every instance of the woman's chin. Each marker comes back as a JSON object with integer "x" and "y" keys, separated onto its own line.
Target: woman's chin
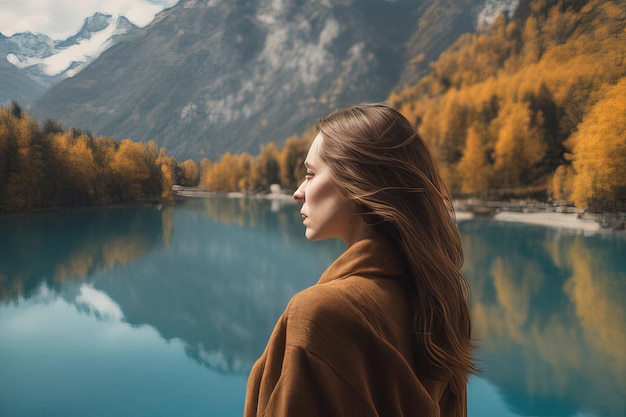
{"x": 311, "y": 235}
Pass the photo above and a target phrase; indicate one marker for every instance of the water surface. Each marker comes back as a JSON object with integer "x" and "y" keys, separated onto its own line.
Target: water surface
{"x": 141, "y": 311}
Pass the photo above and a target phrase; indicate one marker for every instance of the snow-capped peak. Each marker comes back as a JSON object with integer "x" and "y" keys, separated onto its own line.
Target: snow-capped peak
{"x": 43, "y": 56}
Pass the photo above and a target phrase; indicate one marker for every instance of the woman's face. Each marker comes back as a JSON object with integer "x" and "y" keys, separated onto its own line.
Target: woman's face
{"x": 326, "y": 211}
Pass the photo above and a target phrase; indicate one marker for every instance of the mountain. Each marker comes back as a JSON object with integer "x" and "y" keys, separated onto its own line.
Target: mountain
{"x": 210, "y": 76}
{"x": 33, "y": 62}
{"x": 441, "y": 24}
{"x": 15, "y": 84}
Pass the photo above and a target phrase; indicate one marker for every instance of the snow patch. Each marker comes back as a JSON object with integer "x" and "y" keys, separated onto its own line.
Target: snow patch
{"x": 13, "y": 59}
{"x": 492, "y": 9}
{"x": 85, "y": 51}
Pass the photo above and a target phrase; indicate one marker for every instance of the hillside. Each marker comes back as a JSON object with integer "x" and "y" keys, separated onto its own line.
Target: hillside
{"x": 208, "y": 77}
{"x": 532, "y": 106}
{"x": 16, "y": 84}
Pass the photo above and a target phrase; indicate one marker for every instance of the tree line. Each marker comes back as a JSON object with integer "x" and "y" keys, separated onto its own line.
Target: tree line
{"x": 255, "y": 174}
{"x": 46, "y": 166}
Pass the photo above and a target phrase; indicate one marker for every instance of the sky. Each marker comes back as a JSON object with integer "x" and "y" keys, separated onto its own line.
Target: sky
{"x": 60, "y": 19}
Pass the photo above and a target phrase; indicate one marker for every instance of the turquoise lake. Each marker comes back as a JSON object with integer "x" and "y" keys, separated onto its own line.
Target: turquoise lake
{"x": 161, "y": 311}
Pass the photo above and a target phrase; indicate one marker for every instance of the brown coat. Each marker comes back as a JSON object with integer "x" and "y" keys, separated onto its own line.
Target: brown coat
{"x": 343, "y": 347}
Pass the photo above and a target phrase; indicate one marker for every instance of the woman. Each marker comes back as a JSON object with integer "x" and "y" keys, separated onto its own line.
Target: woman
{"x": 386, "y": 330}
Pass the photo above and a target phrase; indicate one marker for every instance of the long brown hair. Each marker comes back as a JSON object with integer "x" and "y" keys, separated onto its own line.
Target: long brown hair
{"x": 382, "y": 163}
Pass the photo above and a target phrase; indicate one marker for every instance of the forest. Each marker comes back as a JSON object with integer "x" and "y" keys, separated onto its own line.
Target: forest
{"x": 532, "y": 107}
{"x": 45, "y": 167}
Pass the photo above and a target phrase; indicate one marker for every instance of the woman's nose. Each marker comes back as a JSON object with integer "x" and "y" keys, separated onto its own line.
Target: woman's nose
{"x": 299, "y": 193}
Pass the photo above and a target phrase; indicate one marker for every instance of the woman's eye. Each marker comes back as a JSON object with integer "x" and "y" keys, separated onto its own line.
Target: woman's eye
{"x": 308, "y": 175}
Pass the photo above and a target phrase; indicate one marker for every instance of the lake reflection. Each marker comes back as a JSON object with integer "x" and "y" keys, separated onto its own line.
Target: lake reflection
{"x": 143, "y": 312}
{"x": 548, "y": 310}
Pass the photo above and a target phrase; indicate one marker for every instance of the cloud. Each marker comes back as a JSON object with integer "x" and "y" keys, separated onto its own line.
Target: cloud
{"x": 60, "y": 19}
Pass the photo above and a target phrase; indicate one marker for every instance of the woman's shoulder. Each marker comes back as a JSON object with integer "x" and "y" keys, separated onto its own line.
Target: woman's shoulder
{"x": 322, "y": 317}
{"x": 318, "y": 301}
{"x": 330, "y": 318}
{"x": 349, "y": 300}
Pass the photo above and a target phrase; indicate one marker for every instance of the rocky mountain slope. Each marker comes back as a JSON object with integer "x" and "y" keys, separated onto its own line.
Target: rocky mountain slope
{"x": 210, "y": 76}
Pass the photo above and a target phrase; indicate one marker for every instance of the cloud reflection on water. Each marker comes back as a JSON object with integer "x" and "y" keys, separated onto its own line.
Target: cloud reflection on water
{"x": 99, "y": 303}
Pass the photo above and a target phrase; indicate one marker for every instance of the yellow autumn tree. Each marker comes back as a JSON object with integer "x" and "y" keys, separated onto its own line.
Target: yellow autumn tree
{"x": 131, "y": 169}
{"x": 599, "y": 149}
{"x": 167, "y": 166}
{"x": 243, "y": 169}
{"x": 265, "y": 169}
{"x": 22, "y": 181}
{"x": 74, "y": 168}
{"x": 187, "y": 173}
{"x": 562, "y": 183}
{"x": 222, "y": 176}
{"x": 291, "y": 162}
{"x": 475, "y": 167}
{"x": 519, "y": 146}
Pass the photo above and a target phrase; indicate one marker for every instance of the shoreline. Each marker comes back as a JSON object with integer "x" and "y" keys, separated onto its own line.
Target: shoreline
{"x": 533, "y": 213}
{"x": 541, "y": 214}
{"x": 570, "y": 221}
